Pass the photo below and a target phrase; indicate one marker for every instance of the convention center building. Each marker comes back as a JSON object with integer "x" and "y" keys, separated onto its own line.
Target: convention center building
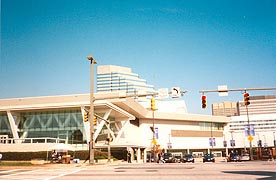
{"x": 123, "y": 115}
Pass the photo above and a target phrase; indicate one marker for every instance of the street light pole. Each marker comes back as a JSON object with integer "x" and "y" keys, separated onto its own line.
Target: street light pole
{"x": 91, "y": 112}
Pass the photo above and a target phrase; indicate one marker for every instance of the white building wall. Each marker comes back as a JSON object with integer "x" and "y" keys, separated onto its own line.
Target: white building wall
{"x": 164, "y": 135}
{"x": 264, "y": 126}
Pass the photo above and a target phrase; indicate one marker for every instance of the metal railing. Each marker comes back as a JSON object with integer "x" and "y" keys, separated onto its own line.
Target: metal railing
{"x": 31, "y": 140}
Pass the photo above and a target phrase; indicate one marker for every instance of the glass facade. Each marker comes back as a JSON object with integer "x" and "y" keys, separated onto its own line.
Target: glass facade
{"x": 64, "y": 124}
{"x": 5, "y": 125}
{"x": 116, "y": 81}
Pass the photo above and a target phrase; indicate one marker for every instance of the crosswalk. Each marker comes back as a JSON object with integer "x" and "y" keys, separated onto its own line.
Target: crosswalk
{"x": 37, "y": 174}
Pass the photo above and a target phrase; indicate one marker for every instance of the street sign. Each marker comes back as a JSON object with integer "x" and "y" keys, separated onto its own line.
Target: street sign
{"x": 156, "y": 132}
{"x": 250, "y": 138}
{"x": 252, "y": 130}
{"x": 175, "y": 92}
{"x": 212, "y": 141}
{"x": 223, "y": 90}
{"x": 163, "y": 93}
{"x": 232, "y": 143}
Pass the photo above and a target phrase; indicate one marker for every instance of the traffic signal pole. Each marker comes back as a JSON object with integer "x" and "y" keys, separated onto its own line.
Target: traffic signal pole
{"x": 249, "y": 134}
{"x": 153, "y": 108}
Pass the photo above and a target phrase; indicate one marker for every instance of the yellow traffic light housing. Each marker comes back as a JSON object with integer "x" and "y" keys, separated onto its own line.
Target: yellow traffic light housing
{"x": 85, "y": 116}
{"x": 152, "y": 104}
{"x": 95, "y": 121}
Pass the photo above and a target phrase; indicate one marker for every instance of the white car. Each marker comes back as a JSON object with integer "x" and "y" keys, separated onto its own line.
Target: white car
{"x": 245, "y": 157}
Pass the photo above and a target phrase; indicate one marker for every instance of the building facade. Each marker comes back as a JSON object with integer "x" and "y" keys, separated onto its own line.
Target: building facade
{"x": 259, "y": 115}
{"x": 112, "y": 78}
{"x": 32, "y": 124}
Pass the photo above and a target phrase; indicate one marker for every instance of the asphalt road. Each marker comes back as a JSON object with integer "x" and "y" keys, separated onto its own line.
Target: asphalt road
{"x": 115, "y": 171}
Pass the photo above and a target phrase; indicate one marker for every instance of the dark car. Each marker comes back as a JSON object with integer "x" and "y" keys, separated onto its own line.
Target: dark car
{"x": 168, "y": 158}
{"x": 208, "y": 158}
{"x": 234, "y": 158}
{"x": 177, "y": 158}
{"x": 188, "y": 158}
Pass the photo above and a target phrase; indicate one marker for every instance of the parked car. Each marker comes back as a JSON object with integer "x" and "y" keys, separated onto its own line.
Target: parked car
{"x": 234, "y": 158}
{"x": 168, "y": 158}
{"x": 208, "y": 158}
{"x": 188, "y": 158}
{"x": 178, "y": 158}
{"x": 245, "y": 157}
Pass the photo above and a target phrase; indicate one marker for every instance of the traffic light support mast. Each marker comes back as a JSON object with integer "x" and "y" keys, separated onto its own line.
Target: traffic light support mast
{"x": 239, "y": 89}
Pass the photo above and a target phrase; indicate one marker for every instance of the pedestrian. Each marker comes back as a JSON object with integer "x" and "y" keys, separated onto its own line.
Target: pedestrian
{"x": 129, "y": 157}
{"x": 53, "y": 156}
{"x": 0, "y": 157}
{"x": 270, "y": 155}
{"x": 159, "y": 157}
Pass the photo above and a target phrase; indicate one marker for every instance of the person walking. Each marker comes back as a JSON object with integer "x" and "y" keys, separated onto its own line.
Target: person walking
{"x": 129, "y": 157}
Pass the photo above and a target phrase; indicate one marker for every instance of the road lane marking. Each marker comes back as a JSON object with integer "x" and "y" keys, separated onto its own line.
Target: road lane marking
{"x": 64, "y": 174}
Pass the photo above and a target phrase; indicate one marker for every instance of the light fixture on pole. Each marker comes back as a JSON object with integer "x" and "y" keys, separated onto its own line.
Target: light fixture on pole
{"x": 91, "y": 112}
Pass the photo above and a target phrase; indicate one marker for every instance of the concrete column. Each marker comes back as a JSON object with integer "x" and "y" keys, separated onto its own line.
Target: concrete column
{"x": 138, "y": 155}
{"x": 145, "y": 155}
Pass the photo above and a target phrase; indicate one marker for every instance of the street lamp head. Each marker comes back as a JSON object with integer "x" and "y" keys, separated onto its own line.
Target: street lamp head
{"x": 90, "y": 58}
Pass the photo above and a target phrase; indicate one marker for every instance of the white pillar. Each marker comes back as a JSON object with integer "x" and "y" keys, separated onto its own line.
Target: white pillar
{"x": 138, "y": 155}
{"x": 145, "y": 155}
{"x": 13, "y": 126}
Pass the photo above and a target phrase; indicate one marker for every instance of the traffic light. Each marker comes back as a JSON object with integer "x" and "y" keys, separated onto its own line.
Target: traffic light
{"x": 152, "y": 104}
{"x": 109, "y": 139}
{"x": 95, "y": 121}
{"x": 85, "y": 116}
{"x": 203, "y": 98}
{"x": 246, "y": 99}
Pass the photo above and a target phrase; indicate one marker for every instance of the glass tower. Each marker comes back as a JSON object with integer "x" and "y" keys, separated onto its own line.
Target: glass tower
{"x": 116, "y": 78}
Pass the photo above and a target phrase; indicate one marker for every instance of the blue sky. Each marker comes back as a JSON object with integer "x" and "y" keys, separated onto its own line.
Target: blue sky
{"x": 192, "y": 44}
